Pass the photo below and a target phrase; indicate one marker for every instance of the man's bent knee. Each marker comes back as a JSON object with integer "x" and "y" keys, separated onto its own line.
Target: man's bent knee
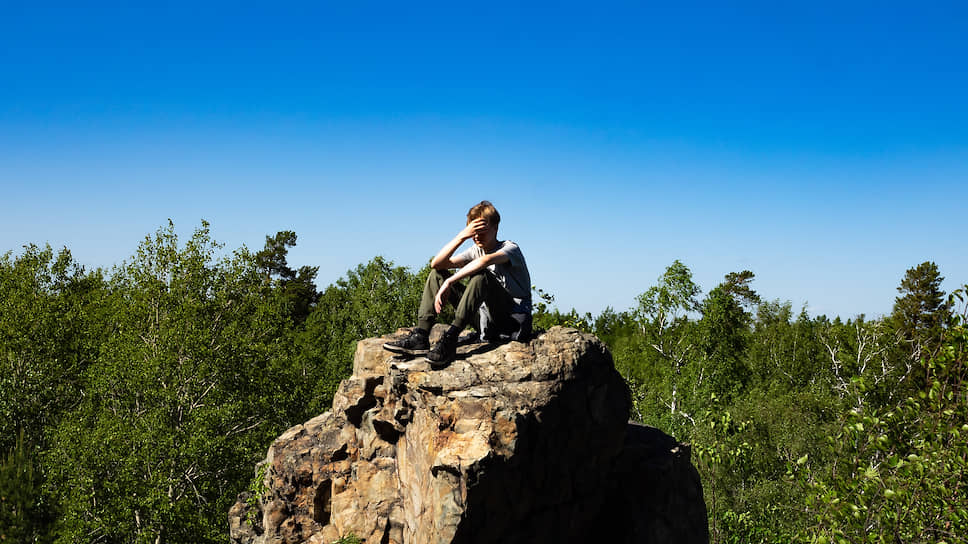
{"x": 437, "y": 277}
{"x": 442, "y": 274}
{"x": 477, "y": 279}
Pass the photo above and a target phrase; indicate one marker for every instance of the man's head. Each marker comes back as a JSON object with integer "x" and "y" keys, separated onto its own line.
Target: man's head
{"x": 484, "y": 210}
{"x": 486, "y": 238}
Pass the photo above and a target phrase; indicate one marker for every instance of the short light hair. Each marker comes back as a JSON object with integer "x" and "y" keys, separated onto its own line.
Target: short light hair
{"x": 486, "y": 210}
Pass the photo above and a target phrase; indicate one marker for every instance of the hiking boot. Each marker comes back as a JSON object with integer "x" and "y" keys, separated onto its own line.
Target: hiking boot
{"x": 473, "y": 337}
{"x": 417, "y": 342}
{"x": 444, "y": 351}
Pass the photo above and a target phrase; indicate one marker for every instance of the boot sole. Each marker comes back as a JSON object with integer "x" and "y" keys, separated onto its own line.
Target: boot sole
{"x": 437, "y": 365}
{"x": 405, "y": 351}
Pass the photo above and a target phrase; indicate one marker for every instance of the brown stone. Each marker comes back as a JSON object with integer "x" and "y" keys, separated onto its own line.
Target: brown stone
{"x": 520, "y": 442}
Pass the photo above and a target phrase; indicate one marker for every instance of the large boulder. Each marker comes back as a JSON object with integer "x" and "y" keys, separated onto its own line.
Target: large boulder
{"x": 513, "y": 443}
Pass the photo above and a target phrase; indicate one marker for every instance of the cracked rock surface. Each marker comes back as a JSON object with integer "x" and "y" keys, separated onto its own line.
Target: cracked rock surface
{"x": 519, "y": 442}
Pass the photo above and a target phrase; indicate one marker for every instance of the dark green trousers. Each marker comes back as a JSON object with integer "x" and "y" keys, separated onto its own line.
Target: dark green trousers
{"x": 467, "y": 299}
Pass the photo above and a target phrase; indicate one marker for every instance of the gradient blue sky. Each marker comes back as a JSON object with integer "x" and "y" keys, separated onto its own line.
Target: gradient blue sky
{"x": 824, "y": 146}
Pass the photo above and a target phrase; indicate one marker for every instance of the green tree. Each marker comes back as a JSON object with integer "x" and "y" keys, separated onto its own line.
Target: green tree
{"x": 898, "y": 472}
{"x": 785, "y": 352}
{"x": 737, "y": 285}
{"x": 184, "y": 396}
{"x": 24, "y": 515}
{"x": 373, "y": 299}
{"x": 296, "y": 286}
{"x": 611, "y": 326}
{"x": 655, "y": 360}
{"x": 669, "y": 301}
{"x": 725, "y": 327}
{"x": 865, "y": 349}
{"x": 920, "y": 311}
{"x": 49, "y": 334}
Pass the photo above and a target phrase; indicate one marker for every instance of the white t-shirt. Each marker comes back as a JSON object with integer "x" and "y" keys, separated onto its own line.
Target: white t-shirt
{"x": 513, "y": 274}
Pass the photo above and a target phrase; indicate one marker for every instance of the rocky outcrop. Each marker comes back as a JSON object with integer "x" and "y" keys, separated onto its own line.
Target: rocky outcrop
{"x": 515, "y": 443}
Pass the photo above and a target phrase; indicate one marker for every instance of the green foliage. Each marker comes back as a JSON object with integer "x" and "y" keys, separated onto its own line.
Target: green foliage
{"x": 737, "y": 286}
{"x": 24, "y": 515}
{"x": 897, "y": 473}
{"x": 724, "y": 449}
{"x": 755, "y": 394}
{"x": 133, "y": 402}
{"x": 747, "y": 528}
{"x": 544, "y": 316}
{"x": 258, "y": 491}
{"x": 611, "y": 326}
{"x": 865, "y": 350}
{"x": 296, "y": 287}
{"x": 373, "y": 299}
{"x": 50, "y": 330}
{"x": 921, "y": 311}
{"x": 348, "y": 539}
{"x": 145, "y": 394}
{"x": 182, "y": 397}
{"x": 658, "y": 360}
{"x": 675, "y": 295}
{"x": 784, "y": 353}
{"x": 724, "y": 335}
{"x": 258, "y": 486}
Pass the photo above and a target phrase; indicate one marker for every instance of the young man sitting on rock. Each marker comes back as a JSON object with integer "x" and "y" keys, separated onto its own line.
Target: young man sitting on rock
{"x": 496, "y": 300}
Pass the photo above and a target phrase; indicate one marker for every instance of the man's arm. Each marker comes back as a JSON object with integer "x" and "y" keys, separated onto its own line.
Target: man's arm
{"x": 470, "y": 269}
{"x": 442, "y": 261}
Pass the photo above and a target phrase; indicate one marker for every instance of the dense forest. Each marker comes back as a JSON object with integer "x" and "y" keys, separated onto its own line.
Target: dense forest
{"x": 134, "y": 402}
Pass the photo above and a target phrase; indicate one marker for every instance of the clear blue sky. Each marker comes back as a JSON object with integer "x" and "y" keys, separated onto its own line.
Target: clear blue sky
{"x": 824, "y": 146}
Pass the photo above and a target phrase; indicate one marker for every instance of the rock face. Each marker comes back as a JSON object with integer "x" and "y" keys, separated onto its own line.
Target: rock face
{"x": 516, "y": 443}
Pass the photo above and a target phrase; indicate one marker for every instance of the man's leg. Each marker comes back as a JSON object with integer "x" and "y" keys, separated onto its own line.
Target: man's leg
{"x": 481, "y": 288}
{"x": 503, "y": 321}
{"x": 427, "y": 315}
{"x": 418, "y": 341}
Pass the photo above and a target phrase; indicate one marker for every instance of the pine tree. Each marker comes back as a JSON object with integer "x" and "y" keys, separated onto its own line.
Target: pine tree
{"x": 297, "y": 286}
{"x": 920, "y": 312}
